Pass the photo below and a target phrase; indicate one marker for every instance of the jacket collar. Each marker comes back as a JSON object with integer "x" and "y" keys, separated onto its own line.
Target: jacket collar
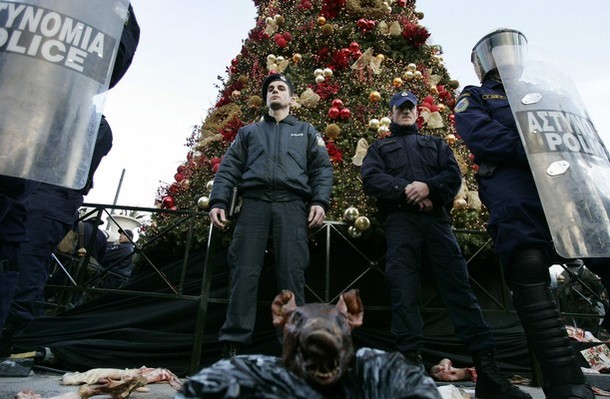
{"x": 291, "y": 120}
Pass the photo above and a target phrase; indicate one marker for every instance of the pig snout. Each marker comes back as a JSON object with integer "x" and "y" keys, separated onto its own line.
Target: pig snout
{"x": 320, "y": 349}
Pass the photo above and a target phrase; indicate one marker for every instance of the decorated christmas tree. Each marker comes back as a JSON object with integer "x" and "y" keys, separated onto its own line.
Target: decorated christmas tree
{"x": 346, "y": 58}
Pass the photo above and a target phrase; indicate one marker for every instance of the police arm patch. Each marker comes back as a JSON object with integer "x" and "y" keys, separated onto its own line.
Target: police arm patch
{"x": 461, "y": 106}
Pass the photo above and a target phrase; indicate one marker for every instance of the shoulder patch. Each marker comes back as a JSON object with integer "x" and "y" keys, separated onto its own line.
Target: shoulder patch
{"x": 320, "y": 140}
{"x": 461, "y": 106}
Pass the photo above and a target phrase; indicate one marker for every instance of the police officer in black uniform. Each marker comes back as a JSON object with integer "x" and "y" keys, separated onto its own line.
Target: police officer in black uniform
{"x": 282, "y": 170}
{"x": 516, "y": 220}
{"x": 414, "y": 179}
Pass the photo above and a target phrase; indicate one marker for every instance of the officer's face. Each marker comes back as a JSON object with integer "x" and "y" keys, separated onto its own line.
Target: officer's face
{"x": 278, "y": 95}
{"x": 405, "y": 115}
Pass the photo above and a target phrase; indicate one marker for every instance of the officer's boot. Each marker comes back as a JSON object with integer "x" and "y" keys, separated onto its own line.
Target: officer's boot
{"x": 547, "y": 336}
{"x": 491, "y": 384}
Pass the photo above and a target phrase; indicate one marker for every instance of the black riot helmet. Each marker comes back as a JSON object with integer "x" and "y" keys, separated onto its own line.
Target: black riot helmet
{"x": 482, "y": 56}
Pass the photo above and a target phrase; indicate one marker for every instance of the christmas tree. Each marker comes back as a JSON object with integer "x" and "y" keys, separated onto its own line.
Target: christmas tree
{"x": 346, "y": 59}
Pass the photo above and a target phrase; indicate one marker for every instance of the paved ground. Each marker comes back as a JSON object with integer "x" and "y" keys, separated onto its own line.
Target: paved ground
{"x": 47, "y": 385}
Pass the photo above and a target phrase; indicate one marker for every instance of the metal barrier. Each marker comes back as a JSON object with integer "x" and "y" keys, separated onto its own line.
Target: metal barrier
{"x": 332, "y": 234}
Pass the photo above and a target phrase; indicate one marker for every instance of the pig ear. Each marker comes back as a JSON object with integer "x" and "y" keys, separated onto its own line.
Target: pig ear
{"x": 282, "y": 306}
{"x": 350, "y": 305}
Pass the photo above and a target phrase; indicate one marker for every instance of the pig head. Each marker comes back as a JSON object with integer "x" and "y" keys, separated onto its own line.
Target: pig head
{"x": 317, "y": 337}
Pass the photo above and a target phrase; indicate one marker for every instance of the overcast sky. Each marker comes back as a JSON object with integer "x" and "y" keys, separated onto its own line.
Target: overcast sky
{"x": 186, "y": 44}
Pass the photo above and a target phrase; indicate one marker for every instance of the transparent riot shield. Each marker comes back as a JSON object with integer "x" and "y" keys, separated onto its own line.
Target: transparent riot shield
{"x": 569, "y": 161}
{"x": 56, "y": 59}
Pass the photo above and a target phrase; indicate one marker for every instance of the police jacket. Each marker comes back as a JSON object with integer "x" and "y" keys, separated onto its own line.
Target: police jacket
{"x": 275, "y": 161}
{"x": 406, "y": 156}
{"x": 485, "y": 122}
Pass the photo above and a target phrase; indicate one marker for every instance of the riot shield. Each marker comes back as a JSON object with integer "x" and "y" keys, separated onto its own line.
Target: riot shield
{"x": 56, "y": 59}
{"x": 569, "y": 161}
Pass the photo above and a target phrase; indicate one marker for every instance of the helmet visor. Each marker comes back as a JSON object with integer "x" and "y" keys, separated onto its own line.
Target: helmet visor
{"x": 482, "y": 54}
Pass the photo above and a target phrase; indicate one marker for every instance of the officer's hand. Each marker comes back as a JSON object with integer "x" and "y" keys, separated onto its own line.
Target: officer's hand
{"x": 416, "y": 191}
{"x": 316, "y": 216}
{"x": 425, "y": 205}
{"x": 218, "y": 217}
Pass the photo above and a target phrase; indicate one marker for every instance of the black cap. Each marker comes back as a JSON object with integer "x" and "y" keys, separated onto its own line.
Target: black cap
{"x": 400, "y": 98}
{"x": 272, "y": 78}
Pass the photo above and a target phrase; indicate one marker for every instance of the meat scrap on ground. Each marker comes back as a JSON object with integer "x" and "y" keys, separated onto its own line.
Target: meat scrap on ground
{"x": 103, "y": 375}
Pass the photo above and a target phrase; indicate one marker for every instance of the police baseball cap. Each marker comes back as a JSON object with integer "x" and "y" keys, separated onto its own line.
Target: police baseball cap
{"x": 399, "y": 99}
{"x": 272, "y": 78}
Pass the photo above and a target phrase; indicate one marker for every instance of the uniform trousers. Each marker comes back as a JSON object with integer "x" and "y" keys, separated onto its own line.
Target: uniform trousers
{"x": 424, "y": 240}
{"x": 286, "y": 223}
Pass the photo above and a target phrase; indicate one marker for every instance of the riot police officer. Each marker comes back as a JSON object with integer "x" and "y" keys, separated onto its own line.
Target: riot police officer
{"x": 517, "y": 223}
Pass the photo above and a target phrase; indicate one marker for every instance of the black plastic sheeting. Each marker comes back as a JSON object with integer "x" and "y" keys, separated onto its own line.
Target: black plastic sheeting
{"x": 118, "y": 331}
{"x": 374, "y": 375}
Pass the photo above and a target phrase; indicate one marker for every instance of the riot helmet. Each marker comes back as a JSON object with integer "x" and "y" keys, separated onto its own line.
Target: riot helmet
{"x": 482, "y": 53}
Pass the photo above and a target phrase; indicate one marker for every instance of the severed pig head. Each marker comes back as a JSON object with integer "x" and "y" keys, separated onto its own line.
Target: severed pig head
{"x": 317, "y": 337}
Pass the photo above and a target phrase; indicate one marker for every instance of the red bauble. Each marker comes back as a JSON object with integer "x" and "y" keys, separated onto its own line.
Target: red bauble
{"x": 402, "y": 3}
{"x": 334, "y": 112}
{"x": 346, "y": 113}
{"x": 281, "y": 42}
{"x": 357, "y": 54}
{"x": 179, "y": 177}
{"x": 428, "y": 99}
{"x": 215, "y": 160}
{"x": 337, "y": 103}
{"x": 181, "y": 169}
{"x": 354, "y": 46}
{"x": 173, "y": 189}
{"x": 168, "y": 201}
{"x": 215, "y": 167}
{"x": 287, "y": 36}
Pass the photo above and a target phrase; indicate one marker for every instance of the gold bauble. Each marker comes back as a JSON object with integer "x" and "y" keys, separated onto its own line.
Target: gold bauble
{"x": 362, "y": 223}
{"x": 243, "y": 80}
{"x": 454, "y": 84}
{"x": 320, "y": 79}
{"x": 209, "y": 185}
{"x": 321, "y": 21}
{"x": 269, "y": 20}
{"x": 279, "y": 19}
{"x": 450, "y": 138}
{"x": 374, "y": 124}
{"x": 408, "y": 75}
{"x": 380, "y": 57}
{"x": 185, "y": 183}
{"x": 419, "y": 15}
{"x": 460, "y": 203}
{"x": 412, "y": 67}
{"x": 327, "y": 30}
{"x": 397, "y": 82}
{"x": 350, "y": 214}
{"x": 332, "y": 131}
{"x": 318, "y": 72}
{"x": 235, "y": 94}
{"x": 441, "y": 107}
{"x": 375, "y": 96}
{"x": 279, "y": 59}
{"x": 203, "y": 202}
{"x": 255, "y": 101}
{"x": 353, "y": 232}
{"x": 271, "y": 58}
{"x": 385, "y": 121}
{"x": 418, "y": 75}
{"x": 297, "y": 57}
{"x": 327, "y": 72}
{"x": 383, "y": 131}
